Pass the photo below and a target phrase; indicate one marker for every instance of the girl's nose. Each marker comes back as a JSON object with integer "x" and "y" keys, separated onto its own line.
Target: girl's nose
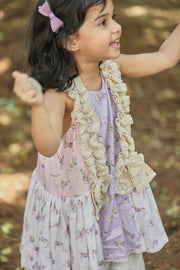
{"x": 117, "y": 28}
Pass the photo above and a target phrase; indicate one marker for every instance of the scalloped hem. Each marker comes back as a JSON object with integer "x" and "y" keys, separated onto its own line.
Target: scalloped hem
{"x": 133, "y": 252}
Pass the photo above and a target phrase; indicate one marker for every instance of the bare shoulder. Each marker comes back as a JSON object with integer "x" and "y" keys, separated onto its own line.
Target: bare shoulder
{"x": 58, "y": 101}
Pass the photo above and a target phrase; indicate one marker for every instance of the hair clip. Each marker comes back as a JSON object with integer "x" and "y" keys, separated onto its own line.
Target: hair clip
{"x": 55, "y": 22}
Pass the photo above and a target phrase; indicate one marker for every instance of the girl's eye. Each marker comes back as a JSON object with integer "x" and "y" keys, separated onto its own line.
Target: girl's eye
{"x": 102, "y": 23}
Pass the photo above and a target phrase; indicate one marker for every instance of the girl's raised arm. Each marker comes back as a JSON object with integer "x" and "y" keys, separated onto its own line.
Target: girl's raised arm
{"x": 145, "y": 64}
{"x": 47, "y": 113}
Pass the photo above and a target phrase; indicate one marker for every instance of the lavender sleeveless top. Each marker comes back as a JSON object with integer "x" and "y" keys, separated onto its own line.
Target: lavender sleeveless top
{"x": 121, "y": 232}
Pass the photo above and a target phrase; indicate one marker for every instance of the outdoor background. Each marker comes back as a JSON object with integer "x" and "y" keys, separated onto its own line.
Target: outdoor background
{"x": 155, "y": 109}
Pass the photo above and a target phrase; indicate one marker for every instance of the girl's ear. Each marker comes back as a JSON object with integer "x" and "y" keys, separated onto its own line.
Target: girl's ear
{"x": 72, "y": 44}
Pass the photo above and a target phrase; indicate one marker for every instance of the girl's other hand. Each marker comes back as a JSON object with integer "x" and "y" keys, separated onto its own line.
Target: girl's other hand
{"x": 27, "y": 89}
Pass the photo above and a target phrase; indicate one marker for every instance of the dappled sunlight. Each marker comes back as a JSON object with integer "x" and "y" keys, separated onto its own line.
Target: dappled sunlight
{"x": 150, "y": 37}
{"x": 150, "y": 18}
{"x": 14, "y": 148}
{"x": 13, "y": 186}
{"x": 1, "y": 14}
{"x": 172, "y": 162}
{"x": 5, "y": 119}
{"x": 135, "y": 11}
{"x": 166, "y": 94}
{"x": 14, "y": 154}
{"x": 5, "y": 64}
{"x": 158, "y": 23}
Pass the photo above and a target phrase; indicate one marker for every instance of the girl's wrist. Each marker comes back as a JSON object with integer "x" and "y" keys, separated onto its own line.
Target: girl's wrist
{"x": 37, "y": 107}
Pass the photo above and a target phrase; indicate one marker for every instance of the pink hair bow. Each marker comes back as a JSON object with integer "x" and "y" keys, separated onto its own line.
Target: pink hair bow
{"x": 55, "y": 22}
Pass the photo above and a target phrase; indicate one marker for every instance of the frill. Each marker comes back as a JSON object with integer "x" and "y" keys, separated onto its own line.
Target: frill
{"x": 91, "y": 150}
{"x": 131, "y": 170}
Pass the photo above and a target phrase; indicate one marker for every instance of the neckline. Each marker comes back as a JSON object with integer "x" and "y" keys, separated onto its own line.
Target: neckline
{"x": 102, "y": 83}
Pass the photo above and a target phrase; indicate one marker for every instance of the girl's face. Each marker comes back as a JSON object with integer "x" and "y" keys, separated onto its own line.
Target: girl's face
{"x": 98, "y": 37}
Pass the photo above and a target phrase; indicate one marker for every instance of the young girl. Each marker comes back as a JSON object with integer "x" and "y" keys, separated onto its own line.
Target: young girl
{"x": 90, "y": 205}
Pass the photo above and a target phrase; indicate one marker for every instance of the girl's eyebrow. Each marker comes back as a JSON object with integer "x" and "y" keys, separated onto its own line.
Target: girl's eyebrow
{"x": 100, "y": 16}
{"x": 103, "y": 15}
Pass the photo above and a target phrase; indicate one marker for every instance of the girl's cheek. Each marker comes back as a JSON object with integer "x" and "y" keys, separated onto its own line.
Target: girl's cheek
{"x": 108, "y": 38}
{"x": 105, "y": 35}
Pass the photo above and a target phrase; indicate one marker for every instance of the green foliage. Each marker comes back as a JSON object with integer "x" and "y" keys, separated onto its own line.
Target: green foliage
{"x": 4, "y": 259}
{"x": 153, "y": 184}
{"x": 6, "y": 228}
{"x": 1, "y": 36}
{"x": 10, "y": 170}
{"x": 9, "y": 103}
{"x": 6, "y": 251}
{"x": 174, "y": 210}
{"x": 11, "y": 106}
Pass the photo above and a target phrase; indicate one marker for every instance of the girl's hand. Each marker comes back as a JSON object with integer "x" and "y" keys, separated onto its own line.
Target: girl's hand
{"x": 27, "y": 89}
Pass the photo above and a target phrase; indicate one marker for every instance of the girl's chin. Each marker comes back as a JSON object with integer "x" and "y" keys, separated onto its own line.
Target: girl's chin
{"x": 116, "y": 55}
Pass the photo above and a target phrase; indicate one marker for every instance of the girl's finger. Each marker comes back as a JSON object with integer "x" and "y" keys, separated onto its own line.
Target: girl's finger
{"x": 32, "y": 100}
{"x": 31, "y": 93}
{"x": 14, "y": 74}
{"x": 17, "y": 74}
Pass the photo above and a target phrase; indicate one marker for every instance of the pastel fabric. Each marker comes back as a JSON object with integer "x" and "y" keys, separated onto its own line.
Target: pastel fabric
{"x": 60, "y": 232}
{"x": 128, "y": 223}
{"x": 135, "y": 261}
{"x": 61, "y": 227}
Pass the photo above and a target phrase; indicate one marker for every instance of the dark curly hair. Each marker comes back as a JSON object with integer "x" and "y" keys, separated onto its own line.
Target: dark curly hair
{"x": 50, "y": 61}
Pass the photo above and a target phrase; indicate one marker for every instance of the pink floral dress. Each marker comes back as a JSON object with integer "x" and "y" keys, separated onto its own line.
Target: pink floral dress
{"x": 76, "y": 216}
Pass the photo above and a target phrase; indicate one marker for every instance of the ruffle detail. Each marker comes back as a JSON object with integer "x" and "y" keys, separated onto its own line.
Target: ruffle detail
{"x": 92, "y": 151}
{"x": 131, "y": 170}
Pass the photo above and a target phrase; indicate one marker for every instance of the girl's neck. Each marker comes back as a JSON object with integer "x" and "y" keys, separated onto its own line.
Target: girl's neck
{"x": 91, "y": 77}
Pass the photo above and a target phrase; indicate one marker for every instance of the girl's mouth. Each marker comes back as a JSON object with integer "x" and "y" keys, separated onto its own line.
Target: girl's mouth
{"x": 115, "y": 44}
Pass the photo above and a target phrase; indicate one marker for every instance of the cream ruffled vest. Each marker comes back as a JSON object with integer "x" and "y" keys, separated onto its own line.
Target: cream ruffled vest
{"x": 131, "y": 170}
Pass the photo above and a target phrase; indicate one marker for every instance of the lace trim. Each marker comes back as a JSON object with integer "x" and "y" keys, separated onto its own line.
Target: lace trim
{"x": 91, "y": 150}
{"x": 131, "y": 170}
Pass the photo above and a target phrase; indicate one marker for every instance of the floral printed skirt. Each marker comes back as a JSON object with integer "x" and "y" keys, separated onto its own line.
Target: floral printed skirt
{"x": 131, "y": 223}
{"x": 60, "y": 233}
